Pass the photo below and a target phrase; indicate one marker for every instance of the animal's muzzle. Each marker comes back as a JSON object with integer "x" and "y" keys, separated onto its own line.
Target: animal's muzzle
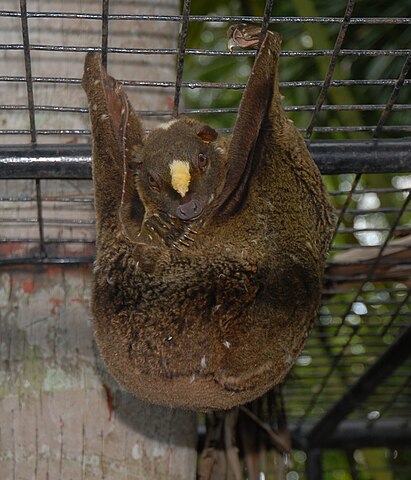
{"x": 189, "y": 210}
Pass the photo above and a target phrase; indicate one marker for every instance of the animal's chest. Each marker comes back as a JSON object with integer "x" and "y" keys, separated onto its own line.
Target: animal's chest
{"x": 184, "y": 288}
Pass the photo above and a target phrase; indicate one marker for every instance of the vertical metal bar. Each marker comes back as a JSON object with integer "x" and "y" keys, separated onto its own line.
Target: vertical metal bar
{"x": 352, "y": 464}
{"x": 266, "y": 20}
{"x": 182, "y": 41}
{"x": 313, "y": 468}
{"x": 40, "y": 221}
{"x": 30, "y": 101}
{"x": 393, "y": 98}
{"x": 331, "y": 68}
{"x": 104, "y": 32}
{"x": 27, "y": 63}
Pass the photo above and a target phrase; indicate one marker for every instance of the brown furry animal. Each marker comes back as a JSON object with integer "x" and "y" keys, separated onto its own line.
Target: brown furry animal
{"x": 210, "y": 251}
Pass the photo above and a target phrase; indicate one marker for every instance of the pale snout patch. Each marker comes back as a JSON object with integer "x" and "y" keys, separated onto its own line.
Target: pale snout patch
{"x": 180, "y": 176}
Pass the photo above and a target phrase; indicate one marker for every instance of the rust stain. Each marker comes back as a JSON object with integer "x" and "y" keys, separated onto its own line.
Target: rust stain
{"x": 8, "y": 249}
{"x": 109, "y": 398}
{"x": 170, "y": 103}
{"x": 56, "y": 302}
{"x": 28, "y": 285}
{"x": 54, "y": 270}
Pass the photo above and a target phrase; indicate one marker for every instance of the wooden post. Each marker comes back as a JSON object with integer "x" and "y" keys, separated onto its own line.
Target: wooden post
{"x": 62, "y": 416}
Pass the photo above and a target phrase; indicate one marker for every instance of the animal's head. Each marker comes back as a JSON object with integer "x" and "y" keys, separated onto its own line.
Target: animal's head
{"x": 181, "y": 169}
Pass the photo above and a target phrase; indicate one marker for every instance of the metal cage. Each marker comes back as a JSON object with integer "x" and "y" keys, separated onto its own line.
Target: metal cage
{"x": 351, "y": 387}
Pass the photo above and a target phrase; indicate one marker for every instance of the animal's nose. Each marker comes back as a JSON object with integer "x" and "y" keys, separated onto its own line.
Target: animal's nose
{"x": 189, "y": 210}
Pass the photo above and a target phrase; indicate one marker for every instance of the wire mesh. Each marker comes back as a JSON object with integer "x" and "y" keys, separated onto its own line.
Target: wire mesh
{"x": 46, "y": 196}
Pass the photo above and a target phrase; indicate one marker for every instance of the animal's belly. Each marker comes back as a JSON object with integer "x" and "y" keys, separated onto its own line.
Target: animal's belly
{"x": 212, "y": 341}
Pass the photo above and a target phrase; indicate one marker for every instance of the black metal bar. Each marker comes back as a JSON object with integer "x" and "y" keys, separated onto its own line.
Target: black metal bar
{"x": 181, "y": 50}
{"x": 81, "y": 260}
{"x": 238, "y": 53}
{"x": 368, "y": 128}
{"x": 266, "y": 20}
{"x": 362, "y": 190}
{"x": 104, "y": 32}
{"x": 373, "y": 229}
{"x": 40, "y": 221}
{"x": 362, "y": 156}
{"x": 313, "y": 467}
{"x": 393, "y": 357}
{"x": 332, "y": 157}
{"x": 27, "y": 63}
{"x": 214, "y": 18}
{"x": 214, "y": 110}
{"x": 217, "y": 85}
{"x": 331, "y": 67}
{"x": 46, "y": 161}
{"x": 352, "y": 434}
{"x": 50, "y": 241}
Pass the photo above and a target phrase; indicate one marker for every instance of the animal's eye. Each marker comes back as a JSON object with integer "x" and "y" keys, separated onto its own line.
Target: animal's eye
{"x": 202, "y": 161}
{"x": 153, "y": 182}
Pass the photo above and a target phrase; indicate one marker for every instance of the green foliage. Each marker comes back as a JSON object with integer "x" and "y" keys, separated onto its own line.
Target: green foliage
{"x": 305, "y": 36}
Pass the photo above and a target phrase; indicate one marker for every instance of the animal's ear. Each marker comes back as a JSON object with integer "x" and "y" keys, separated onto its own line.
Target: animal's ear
{"x": 261, "y": 86}
{"x": 207, "y": 134}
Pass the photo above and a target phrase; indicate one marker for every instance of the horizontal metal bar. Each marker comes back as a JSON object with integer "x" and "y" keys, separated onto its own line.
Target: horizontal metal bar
{"x": 228, "y": 131}
{"x": 47, "y": 132}
{"x": 354, "y": 434}
{"x": 45, "y": 161}
{"x": 211, "y": 18}
{"x": 211, "y": 53}
{"x": 50, "y": 221}
{"x": 332, "y": 157}
{"x": 202, "y": 111}
{"x": 80, "y": 260}
{"x": 362, "y": 156}
{"x": 83, "y": 110}
{"x": 345, "y": 230}
{"x": 48, "y": 198}
{"x": 366, "y": 211}
{"x": 386, "y": 364}
{"x": 361, "y": 191}
{"x": 47, "y": 108}
{"x": 216, "y": 85}
{"x": 49, "y": 241}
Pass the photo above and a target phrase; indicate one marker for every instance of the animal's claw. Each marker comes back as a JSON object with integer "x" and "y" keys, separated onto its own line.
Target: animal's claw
{"x": 172, "y": 231}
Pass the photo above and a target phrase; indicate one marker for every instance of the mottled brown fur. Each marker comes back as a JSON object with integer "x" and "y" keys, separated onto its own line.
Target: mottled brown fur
{"x": 219, "y": 322}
